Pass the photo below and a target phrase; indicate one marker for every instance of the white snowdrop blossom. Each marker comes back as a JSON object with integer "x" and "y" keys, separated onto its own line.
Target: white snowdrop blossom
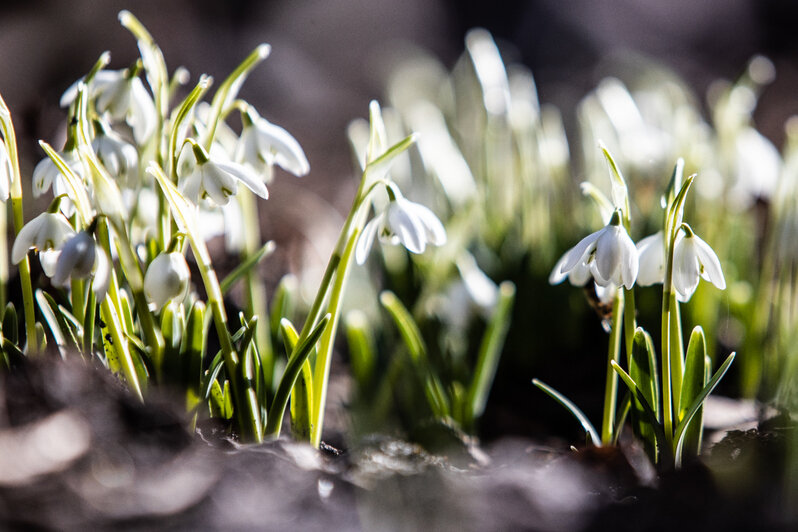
{"x": 218, "y": 180}
{"x": 694, "y": 258}
{"x": 579, "y": 275}
{"x": 119, "y": 157}
{"x": 263, "y": 144}
{"x": 609, "y": 254}
{"x": 46, "y": 174}
{"x": 80, "y": 258}
{"x": 651, "y": 255}
{"x": 122, "y": 95}
{"x": 6, "y": 173}
{"x": 47, "y": 232}
{"x": 167, "y": 278}
{"x": 402, "y": 222}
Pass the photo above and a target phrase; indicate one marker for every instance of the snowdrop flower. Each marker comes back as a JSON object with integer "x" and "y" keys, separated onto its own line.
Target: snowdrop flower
{"x": 218, "y": 180}
{"x": 120, "y": 158}
{"x": 80, "y": 257}
{"x": 651, "y": 255}
{"x": 579, "y": 275}
{"x": 46, "y": 174}
{"x": 6, "y": 173}
{"x": 609, "y": 254}
{"x": 263, "y": 144}
{"x": 167, "y": 278}
{"x": 402, "y": 222}
{"x": 122, "y": 95}
{"x": 693, "y": 258}
{"x": 45, "y": 233}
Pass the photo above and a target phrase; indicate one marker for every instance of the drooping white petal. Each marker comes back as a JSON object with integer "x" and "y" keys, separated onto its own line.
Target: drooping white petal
{"x": 288, "y": 153}
{"x": 141, "y": 115}
{"x": 651, "y": 254}
{"x": 480, "y": 287}
{"x": 218, "y": 184}
{"x": 167, "y": 278}
{"x": 366, "y": 238}
{"x": 709, "y": 263}
{"x": 246, "y": 176}
{"x": 434, "y": 231}
{"x": 407, "y": 227}
{"x": 102, "y": 275}
{"x": 686, "y": 269}
{"x": 48, "y": 259}
{"x": 578, "y": 253}
{"x": 76, "y": 260}
{"x": 46, "y": 231}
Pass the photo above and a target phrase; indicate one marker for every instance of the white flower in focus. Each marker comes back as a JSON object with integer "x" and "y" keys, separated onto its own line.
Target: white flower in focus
{"x": 122, "y": 95}
{"x": 6, "y": 173}
{"x": 120, "y": 158}
{"x": 46, "y": 232}
{"x": 263, "y": 144}
{"x": 651, "y": 255}
{"x": 167, "y": 278}
{"x": 402, "y": 222}
{"x": 693, "y": 258}
{"x": 579, "y": 275}
{"x": 218, "y": 180}
{"x": 609, "y": 253}
{"x": 80, "y": 258}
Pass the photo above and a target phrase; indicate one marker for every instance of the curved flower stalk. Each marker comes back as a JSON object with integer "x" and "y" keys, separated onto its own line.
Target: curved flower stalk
{"x": 402, "y": 222}
{"x": 263, "y": 144}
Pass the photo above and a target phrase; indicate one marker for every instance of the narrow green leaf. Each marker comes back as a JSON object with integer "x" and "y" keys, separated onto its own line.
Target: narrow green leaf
{"x": 573, "y": 409}
{"x": 301, "y": 393}
{"x": 210, "y": 376}
{"x": 695, "y": 372}
{"x": 246, "y": 266}
{"x": 10, "y": 324}
{"x": 656, "y": 426}
{"x": 489, "y": 353}
{"x": 292, "y": 370}
{"x": 362, "y": 350}
{"x": 696, "y": 405}
{"x": 52, "y": 323}
{"x": 410, "y": 333}
{"x": 191, "y": 354}
{"x": 283, "y": 302}
{"x": 643, "y": 371}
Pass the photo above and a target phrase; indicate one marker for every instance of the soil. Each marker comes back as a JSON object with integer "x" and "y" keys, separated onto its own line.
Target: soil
{"x": 77, "y": 451}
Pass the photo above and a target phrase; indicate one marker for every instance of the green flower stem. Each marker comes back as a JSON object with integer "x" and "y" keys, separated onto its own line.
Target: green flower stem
{"x": 120, "y": 345}
{"x": 611, "y": 383}
{"x": 248, "y": 418}
{"x": 254, "y": 288}
{"x": 629, "y": 323}
{"x": 677, "y": 352}
{"x": 228, "y": 90}
{"x": 19, "y": 220}
{"x": 321, "y": 371}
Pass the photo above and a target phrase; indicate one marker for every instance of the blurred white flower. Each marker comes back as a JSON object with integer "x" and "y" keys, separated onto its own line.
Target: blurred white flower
{"x": 46, "y": 232}
{"x": 122, "y": 95}
{"x": 80, "y": 258}
{"x": 46, "y": 174}
{"x": 6, "y": 173}
{"x": 263, "y": 144}
{"x": 167, "y": 278}
{"x": 218, "y": 180}
{"x": 120, "y": 158}
{"x": 609, "y": 253}
{"x": 402, "y": 222}
{"x": 693, "y": 258}
{"x": 758, "y": 166}
{"x": 651, "y": 255}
